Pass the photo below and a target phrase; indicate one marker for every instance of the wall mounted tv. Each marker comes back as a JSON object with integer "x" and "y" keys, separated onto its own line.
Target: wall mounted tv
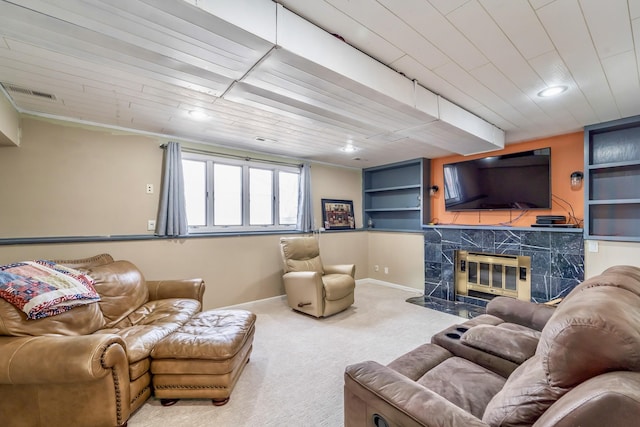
{"x": 518, "y": 181}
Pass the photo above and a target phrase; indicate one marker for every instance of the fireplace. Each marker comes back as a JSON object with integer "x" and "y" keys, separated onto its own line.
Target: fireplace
{"x": 485, "y": 276}
{"x": 557, "y": 258}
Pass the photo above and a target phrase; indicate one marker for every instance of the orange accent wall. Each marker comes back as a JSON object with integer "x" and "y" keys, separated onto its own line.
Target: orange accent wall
{"x": 567, "y": 155}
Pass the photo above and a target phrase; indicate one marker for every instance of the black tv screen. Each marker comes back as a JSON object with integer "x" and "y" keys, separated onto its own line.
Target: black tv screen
{"x": 518, "y": 181}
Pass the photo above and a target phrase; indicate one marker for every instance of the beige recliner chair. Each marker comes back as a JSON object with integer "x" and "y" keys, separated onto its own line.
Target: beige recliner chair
{"x": 311, "y": 287}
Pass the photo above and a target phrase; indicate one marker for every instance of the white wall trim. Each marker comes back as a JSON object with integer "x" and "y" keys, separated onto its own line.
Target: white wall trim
{"x": 367, "y": 281}
{"x": 370, "y": 281}
{"x": 251, "y": 302}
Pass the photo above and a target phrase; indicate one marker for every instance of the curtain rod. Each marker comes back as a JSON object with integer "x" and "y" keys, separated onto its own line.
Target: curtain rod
{"x": 234, "y": 156}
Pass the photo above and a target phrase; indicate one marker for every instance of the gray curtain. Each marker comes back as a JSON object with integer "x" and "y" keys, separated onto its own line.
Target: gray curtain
{"x": 172, "y": 215}
{"x": 305, "y": 207}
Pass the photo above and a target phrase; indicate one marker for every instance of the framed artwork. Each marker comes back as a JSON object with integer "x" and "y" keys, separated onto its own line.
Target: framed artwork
{"x": 338, "y": 214}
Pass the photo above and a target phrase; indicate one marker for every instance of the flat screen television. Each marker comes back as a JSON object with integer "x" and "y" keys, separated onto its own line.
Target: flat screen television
{"x": 518, "y": 181}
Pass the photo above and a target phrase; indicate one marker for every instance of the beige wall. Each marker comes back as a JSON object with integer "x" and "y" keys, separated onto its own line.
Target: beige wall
{"x": 403, "y": 256}
{"x": 235, "y": 269}
{"x": 9, "y": 123}
{"x": 328, "y": 182}
{"x": 72, "y": 180}
{"x": 609, "y": 254}
{"x": 79, "y": 181}
{"x": 244, "y": 268}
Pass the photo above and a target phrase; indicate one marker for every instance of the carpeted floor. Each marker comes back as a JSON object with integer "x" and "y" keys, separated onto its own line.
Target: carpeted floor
{"x": 295, "y": 375}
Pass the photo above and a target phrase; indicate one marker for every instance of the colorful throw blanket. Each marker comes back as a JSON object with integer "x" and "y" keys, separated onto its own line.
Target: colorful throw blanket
{"x": 43, "y": 288}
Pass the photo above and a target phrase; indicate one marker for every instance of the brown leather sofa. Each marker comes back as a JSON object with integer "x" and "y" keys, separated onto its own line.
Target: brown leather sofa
{"x": 584, "y": 369}
{"x": 91, "y": 366}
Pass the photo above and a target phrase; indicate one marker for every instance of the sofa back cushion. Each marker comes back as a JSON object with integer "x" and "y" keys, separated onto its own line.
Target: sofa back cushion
{"x": 82, "y": 320}
{"x": 122, "y": 289}
{"x": 596, "y": 331}
{"x": 524, "y": 397}
{"x": 84, "y": 263}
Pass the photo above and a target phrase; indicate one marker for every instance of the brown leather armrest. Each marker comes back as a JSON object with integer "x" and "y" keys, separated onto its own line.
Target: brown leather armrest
{"x": 60, "y": 359}
{"x": 403, "y": 399}
{"x": 183, "y": 288}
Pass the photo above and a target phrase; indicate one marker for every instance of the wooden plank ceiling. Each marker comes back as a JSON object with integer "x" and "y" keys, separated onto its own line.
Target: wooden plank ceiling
{"x": 146, "y": 64}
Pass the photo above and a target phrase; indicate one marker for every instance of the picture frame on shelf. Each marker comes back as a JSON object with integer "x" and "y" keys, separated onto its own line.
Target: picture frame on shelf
{"x": 338, "y": 214}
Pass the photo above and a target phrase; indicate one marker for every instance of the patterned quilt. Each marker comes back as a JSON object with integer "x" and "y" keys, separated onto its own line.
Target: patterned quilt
{"x": 43, "y": 288}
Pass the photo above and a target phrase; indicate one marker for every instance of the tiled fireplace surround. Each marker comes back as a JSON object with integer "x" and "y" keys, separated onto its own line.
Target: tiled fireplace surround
{"x": 557, "y": 257}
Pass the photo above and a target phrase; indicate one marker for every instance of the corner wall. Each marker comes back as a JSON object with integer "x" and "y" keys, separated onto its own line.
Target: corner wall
{"x": 9, "y": 123}
{"x": 402, "y": 254}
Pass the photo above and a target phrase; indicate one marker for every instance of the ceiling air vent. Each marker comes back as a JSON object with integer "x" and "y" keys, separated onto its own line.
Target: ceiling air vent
{"x": 26, "y": 91}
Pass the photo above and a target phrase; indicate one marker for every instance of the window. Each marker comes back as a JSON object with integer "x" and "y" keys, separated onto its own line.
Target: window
{"x": 238, "y": 195}
{"x": 451, "y": 184}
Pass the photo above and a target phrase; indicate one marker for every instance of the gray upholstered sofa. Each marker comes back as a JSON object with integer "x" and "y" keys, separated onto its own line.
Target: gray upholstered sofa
{"x": 521, "y": 364}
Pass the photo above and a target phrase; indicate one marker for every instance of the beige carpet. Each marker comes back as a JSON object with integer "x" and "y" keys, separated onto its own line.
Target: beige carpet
{"x": 295, "y": 376}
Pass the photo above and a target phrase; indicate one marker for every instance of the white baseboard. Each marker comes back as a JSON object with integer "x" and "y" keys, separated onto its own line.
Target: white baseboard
{"x": 251, "y": 302}
{"x": 371, "y": 281}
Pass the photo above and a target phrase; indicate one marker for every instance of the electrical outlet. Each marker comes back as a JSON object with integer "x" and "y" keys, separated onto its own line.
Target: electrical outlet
{"x": 386, "y": 270}
{"x": 376, "y": 268}
{"x": 149, "y": 188}
{"x": 151, "y": 225}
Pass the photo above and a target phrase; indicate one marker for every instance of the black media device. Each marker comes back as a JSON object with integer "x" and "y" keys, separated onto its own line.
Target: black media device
{"x": 551, "y": 219}
{"x": 518, "y": 181}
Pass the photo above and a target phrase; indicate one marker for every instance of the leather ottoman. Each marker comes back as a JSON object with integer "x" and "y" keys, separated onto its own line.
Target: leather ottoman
{"x": 204, "y": 358}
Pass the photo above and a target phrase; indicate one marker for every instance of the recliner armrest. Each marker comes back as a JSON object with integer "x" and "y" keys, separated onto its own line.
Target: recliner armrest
{"x": 349, "y": 269}
{"x": 308, "y": 275}
{"x": 511, "y": 345}
{"x": 305, "y": 291}
{"x": 398, "y": 399}
{"x": 307, "y": 279}
{"x": 182, "y": 288}
{"x": 525, "y": 313}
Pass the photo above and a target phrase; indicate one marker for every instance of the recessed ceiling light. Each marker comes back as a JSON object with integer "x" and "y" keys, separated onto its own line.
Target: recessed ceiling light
{"x": 349, "y": 148}
{"x": 198, "y": 115}
{"x": 552, "y": 91}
